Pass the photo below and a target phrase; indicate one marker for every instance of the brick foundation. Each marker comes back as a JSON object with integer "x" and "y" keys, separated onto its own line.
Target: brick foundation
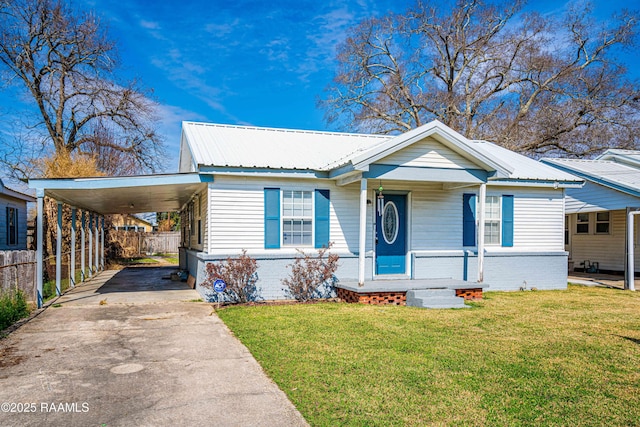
{"x": 470, "y": 294}
{"x": 397, "y": 298}
{"x": 376, "y": 298}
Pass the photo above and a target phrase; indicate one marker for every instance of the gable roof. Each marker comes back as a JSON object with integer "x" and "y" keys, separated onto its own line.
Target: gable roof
{"x": 244, "y": 147}
{"x": 606, "y": 170}
{"x": 6, "y": 191}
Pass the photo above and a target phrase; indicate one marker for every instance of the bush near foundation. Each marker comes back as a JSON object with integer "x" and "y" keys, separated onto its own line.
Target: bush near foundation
{"x": 13, "y": 307}
{"x": 240, "y": 275}
{"x": 312, "y": 276}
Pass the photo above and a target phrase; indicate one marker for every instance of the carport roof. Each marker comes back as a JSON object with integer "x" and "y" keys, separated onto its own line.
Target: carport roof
{"x": 124, "y": 194}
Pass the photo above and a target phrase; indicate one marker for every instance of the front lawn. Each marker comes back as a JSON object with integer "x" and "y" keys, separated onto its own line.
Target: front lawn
{"x": 523, "y": 358}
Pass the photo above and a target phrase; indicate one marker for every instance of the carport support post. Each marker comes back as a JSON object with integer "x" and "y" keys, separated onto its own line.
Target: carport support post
{"x": 102, "y": 245}
{"x": 97, "y": 241}
{"x": 59, "y": 250}
{"x": 72, "y": 273}
{"x": 631, "y": 268}
{"x": 83, "y": 270}
{"x": 362, "y": 235}
{"x": 39, "y": 244}
{"x": 90, "y": 260}
{"x": 481, "y": 206}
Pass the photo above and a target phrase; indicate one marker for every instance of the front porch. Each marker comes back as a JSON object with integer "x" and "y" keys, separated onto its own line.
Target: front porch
{"x": 394, "y": 291}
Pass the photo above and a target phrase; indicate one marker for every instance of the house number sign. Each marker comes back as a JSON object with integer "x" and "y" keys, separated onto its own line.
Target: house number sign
{"x": 219, "y": 285}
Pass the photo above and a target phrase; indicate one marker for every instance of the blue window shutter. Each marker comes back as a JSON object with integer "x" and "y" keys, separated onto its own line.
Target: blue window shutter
{"x": 469, "y": 220}
{"x": 321, "y": 218}
{"x": 507, "y": 221}
{"x": 271, "y": 218}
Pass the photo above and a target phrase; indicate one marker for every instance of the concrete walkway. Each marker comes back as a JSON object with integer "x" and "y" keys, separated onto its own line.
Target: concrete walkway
{"x": 130, "y": 348}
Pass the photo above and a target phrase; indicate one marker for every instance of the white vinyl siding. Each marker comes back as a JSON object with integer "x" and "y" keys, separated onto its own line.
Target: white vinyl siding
{"x": 428, "y": 153}
{"x": 237, "y": 212}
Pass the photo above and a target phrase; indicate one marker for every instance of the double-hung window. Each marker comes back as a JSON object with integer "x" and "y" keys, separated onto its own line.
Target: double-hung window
{"x": 582, "y": 223}
{"x": 12, "y": 226}
{"x": 492, "y": 220}
{"x": 603, "y": 222}
{"x": 297, "y": 218}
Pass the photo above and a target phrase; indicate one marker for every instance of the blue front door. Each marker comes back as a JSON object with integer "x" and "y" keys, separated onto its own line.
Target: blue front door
{"x": 391, "y": 230}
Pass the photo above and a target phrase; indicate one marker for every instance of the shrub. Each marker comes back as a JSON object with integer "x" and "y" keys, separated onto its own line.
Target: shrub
{"x": 240, "y": 276}
{"x": 312, "y": 276}
{"x": 13, "y": 307}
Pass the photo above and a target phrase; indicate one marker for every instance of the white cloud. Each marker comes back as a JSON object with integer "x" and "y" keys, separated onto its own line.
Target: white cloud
{"x": 150, "y": 25}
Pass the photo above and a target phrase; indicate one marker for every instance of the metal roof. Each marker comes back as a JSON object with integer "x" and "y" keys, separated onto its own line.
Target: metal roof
{"x": 253, "y": 147}
{"x": 620, "y": 176}
{"x": 243, "y": 147}
{"x": 124, "y": 194}
{"x": 525, "y": 168}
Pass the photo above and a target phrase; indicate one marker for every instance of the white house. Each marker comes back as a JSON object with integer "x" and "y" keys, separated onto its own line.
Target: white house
{"x": 428, "y": 204}
{"x": 597, "y": 224}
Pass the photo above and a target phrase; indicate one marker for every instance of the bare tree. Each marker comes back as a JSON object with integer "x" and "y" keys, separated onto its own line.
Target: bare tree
{"x": 66, "y": 63}
{"x": 541, "y": 86}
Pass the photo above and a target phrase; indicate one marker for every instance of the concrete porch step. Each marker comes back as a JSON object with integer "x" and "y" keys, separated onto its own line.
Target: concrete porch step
{"x": 435, "y": 298}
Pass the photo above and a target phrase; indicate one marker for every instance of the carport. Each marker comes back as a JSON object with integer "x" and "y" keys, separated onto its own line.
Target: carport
{"x": 101, "y": 196}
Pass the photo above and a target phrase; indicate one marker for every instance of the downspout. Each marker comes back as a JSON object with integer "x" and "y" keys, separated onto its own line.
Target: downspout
{"x": 480, "y": 231}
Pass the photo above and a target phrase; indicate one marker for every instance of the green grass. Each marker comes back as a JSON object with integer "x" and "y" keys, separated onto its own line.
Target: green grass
{"x": 13, "y": 307}
{"x": 49, "y": 288}
{"x": 515, "y": 359}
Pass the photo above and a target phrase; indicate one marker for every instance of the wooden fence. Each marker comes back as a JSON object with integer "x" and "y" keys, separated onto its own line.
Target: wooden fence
{"x": 18, "y": 270}
{"x": 134, "y": 243}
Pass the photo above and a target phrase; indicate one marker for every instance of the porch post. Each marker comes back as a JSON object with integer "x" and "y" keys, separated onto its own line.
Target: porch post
{"x": 102, "y": 244}
{"x": 39, "y": 245}
{"x": 90, "y": 260}
{"x": 631, "y": 268}
{"x": 59, "y": 250}
{"x": 83, "y": 271}
{"x": 362, "y": 235}
{"x": 481, "y": 207}
{"x": 97, "y": 243}
{"x": 72, "y": 273}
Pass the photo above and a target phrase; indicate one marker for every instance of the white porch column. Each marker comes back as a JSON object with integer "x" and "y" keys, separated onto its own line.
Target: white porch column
{"x": 39, "y": 244}
{"x": 90, "y": 260}
{"x": 480, "y": 230}
{"x": 362, "y": 235}
{"x": 631, "y": 268}
{"x": 83, "y": 270}
{"x": 97, "y": 243}
{"x": 72, "y": 271}
{"x": 102, "y": 244}
{"x": 59, "y": 250}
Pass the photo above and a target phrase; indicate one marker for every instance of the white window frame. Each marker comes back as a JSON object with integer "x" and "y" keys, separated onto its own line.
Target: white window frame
{"x": 283, "y": 217}
{"x": 608, "y": 222}
{"x": 488, "y": 219}
{"x": 587, "y": 222}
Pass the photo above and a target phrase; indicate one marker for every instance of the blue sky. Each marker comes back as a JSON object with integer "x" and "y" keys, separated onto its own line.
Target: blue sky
{"x": 243, "y": 62}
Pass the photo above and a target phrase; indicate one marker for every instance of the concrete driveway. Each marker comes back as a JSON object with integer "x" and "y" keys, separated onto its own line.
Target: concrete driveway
{"x": 130, "y": 348}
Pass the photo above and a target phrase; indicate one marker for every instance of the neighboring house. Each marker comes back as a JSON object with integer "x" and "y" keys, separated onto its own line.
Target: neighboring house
{"x": 403, "y": 207}
{"x": 131, "y": 223}
{"x": 596, "y": 222}
{"x": 13, "y": 218}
